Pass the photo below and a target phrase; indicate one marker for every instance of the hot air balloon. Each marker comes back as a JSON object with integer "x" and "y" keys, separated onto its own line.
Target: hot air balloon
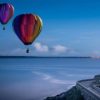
{"x": 6, "y": 12}
{"x": 27, "y": 27}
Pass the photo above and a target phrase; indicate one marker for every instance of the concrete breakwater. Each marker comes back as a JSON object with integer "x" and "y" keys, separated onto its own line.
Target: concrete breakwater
{"x": 72, "y": 94}
{"x": 88, "y": 89}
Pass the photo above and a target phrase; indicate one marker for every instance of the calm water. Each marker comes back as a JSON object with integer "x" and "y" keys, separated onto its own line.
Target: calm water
{"x": 37, "y": 78}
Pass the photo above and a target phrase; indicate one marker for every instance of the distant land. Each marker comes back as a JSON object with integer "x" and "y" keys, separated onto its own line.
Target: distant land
{"x": 43, "y": 57}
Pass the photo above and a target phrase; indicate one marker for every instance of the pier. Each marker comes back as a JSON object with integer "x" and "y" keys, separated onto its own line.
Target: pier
{"x": 90, "y": 88}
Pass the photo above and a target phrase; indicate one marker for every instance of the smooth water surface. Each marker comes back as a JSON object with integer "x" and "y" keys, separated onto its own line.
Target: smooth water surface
{"x": 37, "y": 78}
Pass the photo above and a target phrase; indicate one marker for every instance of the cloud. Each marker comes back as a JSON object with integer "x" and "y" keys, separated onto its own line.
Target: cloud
{"x": 40, "y": 47}
{"x": 53, "y": 80}
{"x": 60, "y": 49}
{"x": 17, "y": 51}
{"x": 56, "y": 49}
{"x": 95, "y": 54}
{"x": 20, "y": 52}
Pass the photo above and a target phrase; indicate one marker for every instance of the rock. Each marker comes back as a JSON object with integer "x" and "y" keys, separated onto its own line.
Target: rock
{"x": 72, "y": 94}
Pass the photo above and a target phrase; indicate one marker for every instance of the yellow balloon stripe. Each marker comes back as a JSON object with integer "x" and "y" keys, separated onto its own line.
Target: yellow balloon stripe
{"x": 41, "y": 24}
{"x": 38, "y": 28}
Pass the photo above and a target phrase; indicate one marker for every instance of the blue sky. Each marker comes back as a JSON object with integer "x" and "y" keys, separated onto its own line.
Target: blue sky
{"x": 70, "y": 28}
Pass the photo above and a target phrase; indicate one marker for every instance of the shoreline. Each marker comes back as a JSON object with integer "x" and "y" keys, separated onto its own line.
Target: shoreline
{"x": 39, "y": 57}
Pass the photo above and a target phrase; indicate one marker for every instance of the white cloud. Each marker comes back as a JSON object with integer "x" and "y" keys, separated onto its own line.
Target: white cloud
{"x": 15, "y": 52}
{"x": 45, "y": 48}
{"x": 95, "y": 54}
{"x": 60, "y": 49}
{"x": 18, "y": 51}
{"x": 40, "y": 47}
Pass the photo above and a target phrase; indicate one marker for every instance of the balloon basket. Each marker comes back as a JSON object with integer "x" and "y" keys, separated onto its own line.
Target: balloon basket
{"x": 27, "y": 51}
{"x": 4, "y": 28}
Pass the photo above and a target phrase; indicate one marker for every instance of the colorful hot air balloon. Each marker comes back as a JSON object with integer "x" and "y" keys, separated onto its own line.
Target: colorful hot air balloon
{"x": 6, "y": 12}
{"x": 27, "y": 27}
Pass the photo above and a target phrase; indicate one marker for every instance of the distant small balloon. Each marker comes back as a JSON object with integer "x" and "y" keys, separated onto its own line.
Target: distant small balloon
{"x": 27, "y": 27}
{"x": 6, "y": 13}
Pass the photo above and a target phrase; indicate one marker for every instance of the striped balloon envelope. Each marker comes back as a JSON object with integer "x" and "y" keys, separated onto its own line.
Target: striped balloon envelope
{"x": 27, "y": 27}
{"x": 6, "y": 13}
